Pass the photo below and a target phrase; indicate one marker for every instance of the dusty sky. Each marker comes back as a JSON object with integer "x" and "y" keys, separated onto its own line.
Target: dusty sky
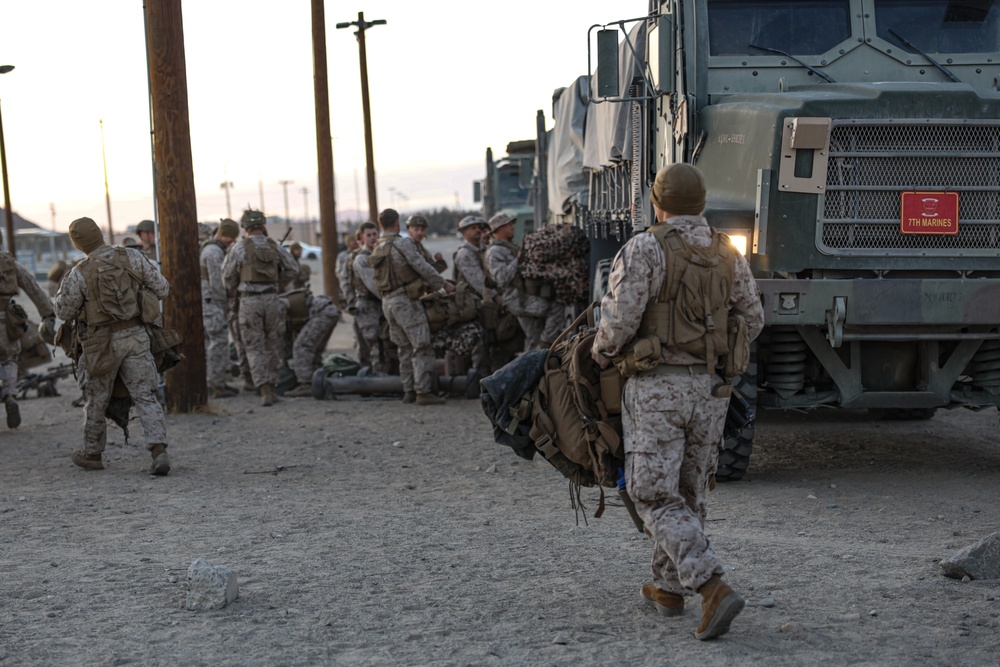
{"x": 447, "y": 78}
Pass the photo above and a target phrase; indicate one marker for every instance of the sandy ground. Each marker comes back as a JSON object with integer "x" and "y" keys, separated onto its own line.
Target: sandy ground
{"x": 388, "y": 537}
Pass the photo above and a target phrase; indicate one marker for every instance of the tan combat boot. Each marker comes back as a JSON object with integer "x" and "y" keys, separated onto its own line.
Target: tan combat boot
{"x": 161, "y": 462}
{"x": 13, "y": 412}
{"x": 268, "y": 396}
{"x": 88, "y": 461}
{"x": 300, "y": 391}
{"x": 429, "y": 399}
{"x": 719, "y": 606}
{"x": 410, "y": 397}
{"x": 665, "y": 602}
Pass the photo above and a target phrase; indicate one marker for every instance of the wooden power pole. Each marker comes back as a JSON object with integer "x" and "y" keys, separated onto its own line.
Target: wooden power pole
{"x": 324, "y": 154}
{"x": 175, "y": 199}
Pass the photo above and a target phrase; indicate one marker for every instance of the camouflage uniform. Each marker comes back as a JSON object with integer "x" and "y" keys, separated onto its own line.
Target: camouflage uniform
{"x": 213, "y": 310}
{"x": 312, "y": 340}
{"x": 130, "y": 346}
{"x": 262, "y": 314}
{"x": 541, "y": 320}
{"x": 14, "y": 278}
{"x": 672, "y": 423}
{"x": 368, "y": 316}
{"x": 469, "y": 269}
{"x": 407, "y": 319}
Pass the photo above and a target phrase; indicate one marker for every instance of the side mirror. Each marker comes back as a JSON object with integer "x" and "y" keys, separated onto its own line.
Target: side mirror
{"x": 661, "y": 56}
{"x": 607, "y": 63}
{"x": 477, "y": 192}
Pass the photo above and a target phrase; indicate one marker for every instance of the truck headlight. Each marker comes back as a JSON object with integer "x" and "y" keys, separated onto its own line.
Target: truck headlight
{"x": 739, "y": 242}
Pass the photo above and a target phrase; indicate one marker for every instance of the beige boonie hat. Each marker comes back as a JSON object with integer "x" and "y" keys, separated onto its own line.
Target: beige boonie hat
{"x": 499, "y": 220}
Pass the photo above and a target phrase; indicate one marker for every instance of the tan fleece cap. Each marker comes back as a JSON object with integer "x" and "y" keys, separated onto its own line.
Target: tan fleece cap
{"x": 85, "y": 235}
{"x": 680, "y": 189}
{"x": 228, "y": 229}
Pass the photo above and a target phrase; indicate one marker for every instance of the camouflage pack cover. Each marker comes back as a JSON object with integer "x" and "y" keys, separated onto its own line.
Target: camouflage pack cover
{"x": 560, "y": 256}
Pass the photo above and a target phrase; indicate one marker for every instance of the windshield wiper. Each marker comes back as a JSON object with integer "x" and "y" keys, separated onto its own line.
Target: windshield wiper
{"x": 929, "y": 59}
{"x": 812, "y": 69}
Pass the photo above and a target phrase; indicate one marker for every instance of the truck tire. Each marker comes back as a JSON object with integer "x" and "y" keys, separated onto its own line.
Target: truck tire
{"x": 737, "y": 439}
{"x": 902, "y": 414}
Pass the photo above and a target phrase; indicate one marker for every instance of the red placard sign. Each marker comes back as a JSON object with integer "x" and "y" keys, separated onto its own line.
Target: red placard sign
{"x": 929, "y": 213}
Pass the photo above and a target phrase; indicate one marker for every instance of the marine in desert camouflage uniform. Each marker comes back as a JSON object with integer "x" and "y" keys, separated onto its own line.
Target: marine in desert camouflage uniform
{"x": 258, "y": 268}
{"x": 146, "y": 231}
{"x": 368, "y": 314}
{"x": 540, "y": 319}
{"x": 13, "y": 279}
{"x": 129, "y": 345}
{"x": 214, "y": 301}
{"x": 404, "y": 265}
{"x": 307, "y": 351}
{"x": 672, "y": 421}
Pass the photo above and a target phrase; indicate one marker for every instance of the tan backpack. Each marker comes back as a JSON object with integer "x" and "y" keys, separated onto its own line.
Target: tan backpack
{"x": 576, "y": 413}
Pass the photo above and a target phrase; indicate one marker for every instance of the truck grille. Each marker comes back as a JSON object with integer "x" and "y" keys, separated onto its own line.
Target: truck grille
{"x": 872, "y": 162}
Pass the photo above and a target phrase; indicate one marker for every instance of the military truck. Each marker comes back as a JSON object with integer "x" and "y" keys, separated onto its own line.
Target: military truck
{"x": 508, "y": 186}
{"x": 852, "y": 153}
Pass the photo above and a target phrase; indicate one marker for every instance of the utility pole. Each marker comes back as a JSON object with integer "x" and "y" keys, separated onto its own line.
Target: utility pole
{"x": 357, "y": 195}
{"x": 52, "y": 210}
{"x": 107, "y": 193}
{"x": 8, "y": 214}
{"x": 226, "y": 185}
{"x": 324, "y": 154}
{"x": 363, "y": 26}
{"x": 284, "y": 186}
{"x": 175, "y": 199}
{"x": 310, "y": 235}
{"x": 260, "y": 193}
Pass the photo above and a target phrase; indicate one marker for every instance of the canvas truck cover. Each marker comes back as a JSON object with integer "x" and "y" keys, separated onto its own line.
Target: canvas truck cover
{"x": 567, "y": 181}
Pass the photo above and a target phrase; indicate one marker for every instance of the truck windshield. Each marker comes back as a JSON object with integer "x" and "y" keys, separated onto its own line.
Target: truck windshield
{"x": 940, "y": 26}
{"x": 801, "y": 28}
{"x": 509, "y": 191}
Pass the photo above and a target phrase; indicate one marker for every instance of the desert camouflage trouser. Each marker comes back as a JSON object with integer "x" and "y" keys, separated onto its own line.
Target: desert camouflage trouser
{"x": 368, "y": 322}
{"x": 9, "y": 352}
{"x": 262, "y": 328}
{"x": 541, "y": 329}
{"x": 673, "y": 426}
{"x": 409, "y": 330}
{"x": 307, "y": 352}
{"x": 216, "y": 343}
{"x": 138, "y": 372}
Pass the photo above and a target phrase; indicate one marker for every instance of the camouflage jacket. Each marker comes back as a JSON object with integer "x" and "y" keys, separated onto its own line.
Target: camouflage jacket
{"x": 237, "y": 256}
{"x": 364, "y": 275}
{"x": 469, "y": 268}
{"x": 637, "y": 276}
{"x": 73, "y": 292}
{"x": 213, "y": 289}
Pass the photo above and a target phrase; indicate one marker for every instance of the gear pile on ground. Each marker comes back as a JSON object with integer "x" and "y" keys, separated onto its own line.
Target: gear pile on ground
{"x": 559, "y": 255}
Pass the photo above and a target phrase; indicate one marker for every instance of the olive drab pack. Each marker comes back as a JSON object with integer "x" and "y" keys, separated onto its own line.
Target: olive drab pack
{"x": 262, "y": 261}
{"x": 8, "y": 275}
{"x": 445, "y": 310}
{"x": 691, "y": 311}
{"x": 112, "y": 287}
{"x": 391, "y": 274}
{"x": 576, "y": 412}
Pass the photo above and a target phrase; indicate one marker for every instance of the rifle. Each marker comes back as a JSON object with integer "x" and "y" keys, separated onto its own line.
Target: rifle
{"x": 44, "y": 382}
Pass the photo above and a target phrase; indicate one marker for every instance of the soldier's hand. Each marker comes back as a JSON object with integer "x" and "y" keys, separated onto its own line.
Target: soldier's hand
{"x": 47, "y": 329}
{"x": 449, "y": 287}
{"x": 600, "y": 359}
{"x": 438, "y": 256}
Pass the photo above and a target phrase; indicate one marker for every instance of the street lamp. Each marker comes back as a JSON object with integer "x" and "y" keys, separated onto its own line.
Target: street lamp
{"x": 6, "y": 189}
{"x": 362, "y": 26}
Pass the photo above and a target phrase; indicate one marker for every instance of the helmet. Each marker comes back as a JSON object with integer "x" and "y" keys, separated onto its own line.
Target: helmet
{"x": 252, "y": 218}
{"x": 145, "y": 226}
{"x": 471, "y": 221}
{"x": 416, "y": 221}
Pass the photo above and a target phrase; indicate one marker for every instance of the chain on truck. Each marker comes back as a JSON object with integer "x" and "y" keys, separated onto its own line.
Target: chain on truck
{"x": 852, "y": 152}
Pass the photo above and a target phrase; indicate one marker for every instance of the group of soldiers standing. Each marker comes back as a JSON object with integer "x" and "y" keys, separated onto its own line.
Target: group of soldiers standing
{"x": 390, "y": 284}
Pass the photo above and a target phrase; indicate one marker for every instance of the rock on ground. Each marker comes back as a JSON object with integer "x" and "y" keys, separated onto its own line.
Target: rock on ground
{"x": 978, "y": 561}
